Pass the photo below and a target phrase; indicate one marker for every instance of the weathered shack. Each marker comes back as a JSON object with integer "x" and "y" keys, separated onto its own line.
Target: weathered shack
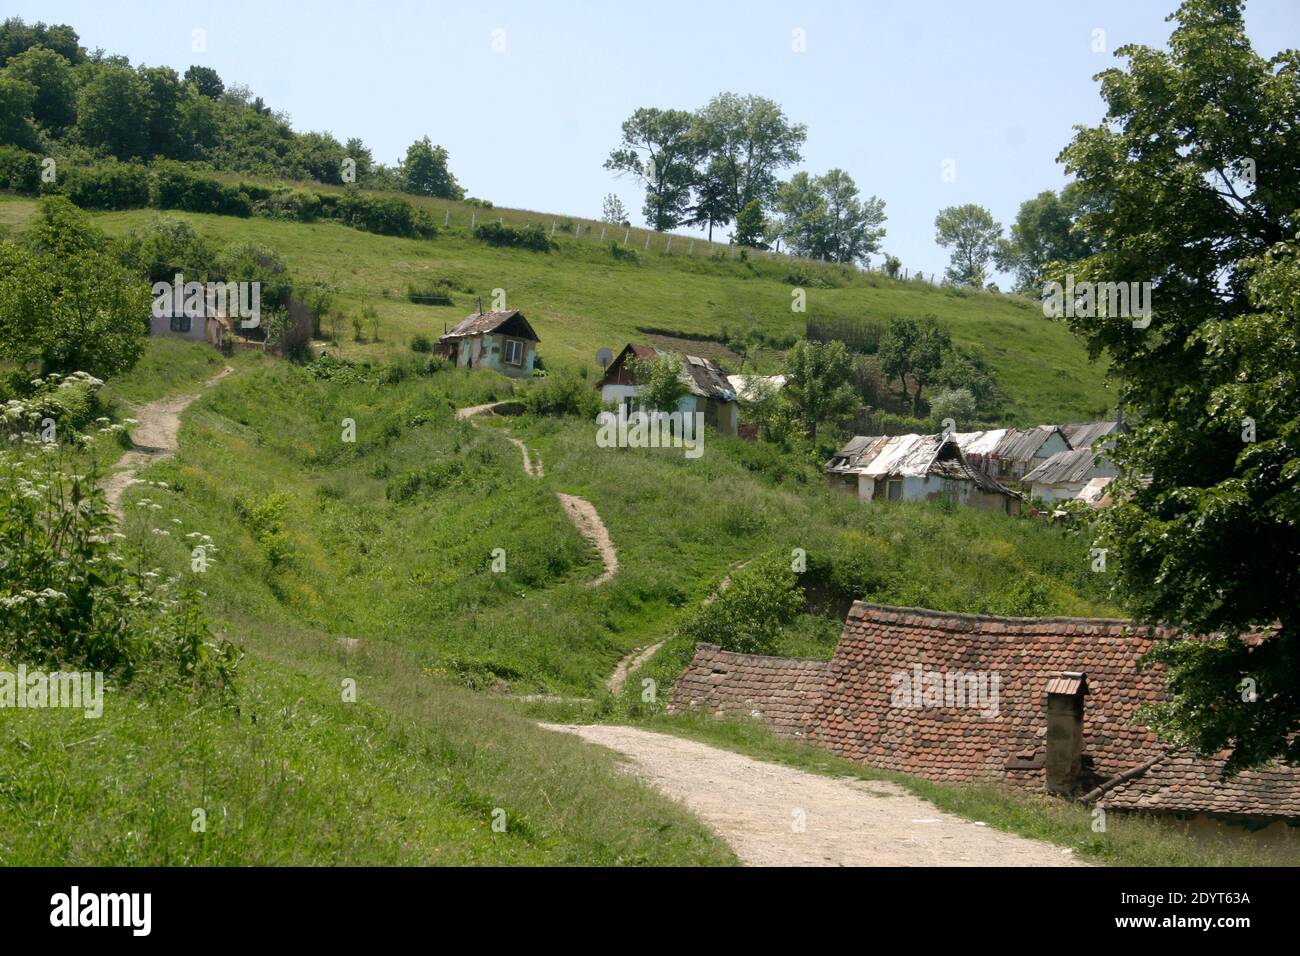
{"x": 1039, "y": 703}
{"x": 1067, "y": 473}
{"x": 708, "y": 391}
{"x": 916, "y": 468}
{"x": 502, "y": 340}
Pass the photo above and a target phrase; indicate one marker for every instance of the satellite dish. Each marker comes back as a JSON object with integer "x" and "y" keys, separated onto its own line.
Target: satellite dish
{"x": 604, "y": 357}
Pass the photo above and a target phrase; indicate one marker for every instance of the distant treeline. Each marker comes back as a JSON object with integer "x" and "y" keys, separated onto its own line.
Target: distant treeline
{"x": 59, "y": 100}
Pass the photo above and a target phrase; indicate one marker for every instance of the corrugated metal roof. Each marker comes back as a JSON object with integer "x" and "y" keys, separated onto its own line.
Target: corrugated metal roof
{"x": 1096, "y": 492}
{"x": 979, "y": 443}
{"x": 1084, "y": 434}
{"x": 1021, "y": 444}
{"x": 704, "y": 377}
{"x": 743, "y": 384}
{"x": 1064, "y": 466}
{"x": 910, "y": 456}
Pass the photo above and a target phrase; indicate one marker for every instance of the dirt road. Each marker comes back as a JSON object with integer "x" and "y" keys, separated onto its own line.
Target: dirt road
{"x": 155, "y": 437}
{"x": 779, "y": 816}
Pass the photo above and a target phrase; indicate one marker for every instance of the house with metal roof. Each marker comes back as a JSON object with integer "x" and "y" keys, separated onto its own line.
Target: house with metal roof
{"x": 916, "y": 468}
{"x": 499, "y": 340}
{"x": 1066, "y": 474}
{"x": 708, "y": 390}
{"x": 1085, "y": 434}
{"x": 1008, "y": 453}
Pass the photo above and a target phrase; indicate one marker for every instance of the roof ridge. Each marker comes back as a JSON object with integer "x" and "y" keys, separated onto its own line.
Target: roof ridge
{"x": 868, "y": 606}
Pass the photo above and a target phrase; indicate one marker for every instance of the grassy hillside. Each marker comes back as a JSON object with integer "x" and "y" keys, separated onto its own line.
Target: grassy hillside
{"x": 580, "y": 298}
{"x": 369, "y": 561}
{"x": 391, "y": 538}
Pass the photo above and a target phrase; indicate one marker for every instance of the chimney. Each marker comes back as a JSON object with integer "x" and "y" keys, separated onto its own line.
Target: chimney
{"x": 1065, "y": 732}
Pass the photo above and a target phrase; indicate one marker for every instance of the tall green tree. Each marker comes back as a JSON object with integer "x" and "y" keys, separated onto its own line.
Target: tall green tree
{"x": 823, "y": 217}
{"x": 972, "y": 234}
{"x": 164, "y": 99}
{"x": 17, "y": 98}
{"x": 206, "y": 80}
{"x": 426, "y": 172}
{"x": 817, "y": 382}
{"x": 66, "y": 304}
{"x": 1192, "y": 183}
{"x": 746, "y": 141}
{"x": 113, "y": 112}
{"x": 661, "y": 381}
{"x": 612, "y": 210}
{"x": 1046, "y": 230}
{"x": 16, "y": 37}
{"x": 55, "y": 104}
{"x": 916, "y": 349}
{"x": 660, "y": 148}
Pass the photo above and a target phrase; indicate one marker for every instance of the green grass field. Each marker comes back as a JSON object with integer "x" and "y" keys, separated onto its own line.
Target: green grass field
{"x": 580, "y": 299}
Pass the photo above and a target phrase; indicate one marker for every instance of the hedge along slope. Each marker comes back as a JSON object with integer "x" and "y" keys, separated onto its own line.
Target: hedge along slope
{"x": 167, "y": 184}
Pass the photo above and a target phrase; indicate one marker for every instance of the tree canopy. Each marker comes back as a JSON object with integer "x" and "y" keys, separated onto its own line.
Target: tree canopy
{"x": 1192, "y": 182}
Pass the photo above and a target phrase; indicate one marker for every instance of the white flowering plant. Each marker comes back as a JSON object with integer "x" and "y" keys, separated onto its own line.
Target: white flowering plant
{"x": 77, "y": 593}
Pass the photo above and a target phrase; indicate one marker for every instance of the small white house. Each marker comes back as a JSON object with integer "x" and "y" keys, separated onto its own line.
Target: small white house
{"x": 1067, "y": 473}
{"x": 708, "y": 390}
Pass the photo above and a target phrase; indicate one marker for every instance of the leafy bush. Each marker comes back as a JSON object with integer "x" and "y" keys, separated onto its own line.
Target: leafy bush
{"x": 19, "y": 170}
{"x": 264, "y": 519}
{"x": 110, "y": 186}
{"x": 175, "y": 186}
{"x": 563, "y": 395}
{"x": 386, "y": 215}
{"x": 72, "y": 597}
{"x": 408, "y": 485}
{"x": 623, "y": 254}
{"x": 297, "y": 205}
{"x": 421, "y": 343}
{"x": 955, "y": 403}
{"x": 165, "y": 246}
{"x": 435, "y": 292}
{"x": 532, "y": 236}
{"x": 70, "y": 403}
{"x": 748, "y": 615}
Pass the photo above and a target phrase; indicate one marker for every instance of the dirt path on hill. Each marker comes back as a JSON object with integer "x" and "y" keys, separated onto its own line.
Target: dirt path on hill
{"x": 757, "y": 807}
{"x": 155, "y": 438}
{"x": 580, "y": 511}
{"x": 532, "y": 466}
{"x": 630, "y": 664}
{"x": 588, "y": 523}
{"x": 473, "y": 410}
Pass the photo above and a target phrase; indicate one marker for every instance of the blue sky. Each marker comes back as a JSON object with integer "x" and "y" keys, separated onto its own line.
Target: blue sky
{"x": 889, "y": 89}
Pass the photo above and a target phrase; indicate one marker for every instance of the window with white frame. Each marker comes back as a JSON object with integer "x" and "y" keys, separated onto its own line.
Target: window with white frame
{"x": 514, "y": 352}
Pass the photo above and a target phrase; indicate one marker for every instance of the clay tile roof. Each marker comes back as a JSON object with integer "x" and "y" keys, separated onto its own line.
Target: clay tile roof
{"x": 1181, "y": 782}
{"x": 1068, "y": 683}
{"x": 858, "y": 717}
{"x": 1084, "y": 434}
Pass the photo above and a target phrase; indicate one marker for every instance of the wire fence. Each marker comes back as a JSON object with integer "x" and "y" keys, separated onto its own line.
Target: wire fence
{"x": 648, "y": 241}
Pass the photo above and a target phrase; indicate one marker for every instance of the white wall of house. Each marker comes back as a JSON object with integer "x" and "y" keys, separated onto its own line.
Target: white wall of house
{"x": 618, "y": 393}
{"x": 1060, "y": 491}
{"x": 163, "y": 326}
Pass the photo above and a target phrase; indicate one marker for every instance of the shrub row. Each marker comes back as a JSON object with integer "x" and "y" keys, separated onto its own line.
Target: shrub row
{"x": 173, "y": 185}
